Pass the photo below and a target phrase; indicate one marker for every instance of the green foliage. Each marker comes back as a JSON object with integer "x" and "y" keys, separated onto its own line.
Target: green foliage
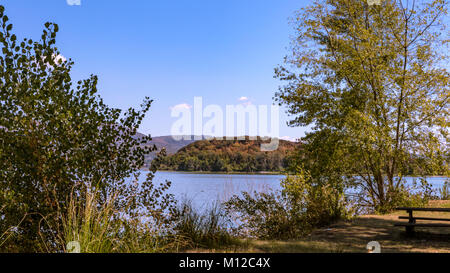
{"x": 204, "y": 229}
{"x": 322, "y": 203}
{"x": 412, "y": 196}
{"x": 264, "y": 216}
{"x": 292, "y": 213}
{"x": 91, "y": 225}
{"x": 444, "y": 192}
{"x": 57, "y": 137}
{"x": 106, "y": 229}
{"x": 372, "y": 80}
{"x": 229, "y": 156}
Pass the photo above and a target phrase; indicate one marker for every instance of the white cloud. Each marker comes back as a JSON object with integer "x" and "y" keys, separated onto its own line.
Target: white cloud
{"x": 73, "y": 2}
{"x": 288, "y": 138}
{"x": 245, "y": 101}
{"x": 181, "y": 106}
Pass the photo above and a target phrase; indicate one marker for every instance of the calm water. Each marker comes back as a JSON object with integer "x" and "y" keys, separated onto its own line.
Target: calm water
{"x": 204, "y": 189}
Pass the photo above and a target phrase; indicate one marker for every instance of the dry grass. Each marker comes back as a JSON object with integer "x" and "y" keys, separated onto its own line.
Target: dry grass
{"x": 353, "y": 236}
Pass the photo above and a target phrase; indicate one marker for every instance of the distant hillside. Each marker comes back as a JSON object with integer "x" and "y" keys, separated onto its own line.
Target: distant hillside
{"x": 172, "y": 146}
{"x": 229, "y": 156}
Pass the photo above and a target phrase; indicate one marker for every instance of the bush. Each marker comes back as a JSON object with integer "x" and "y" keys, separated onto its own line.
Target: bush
{"x": 263, "y": 215}
{"x": 55, "y": 133}
{"x": 292, "y": 213}
{"x": 444, "y": 192}
{"x": 416, "y": 195}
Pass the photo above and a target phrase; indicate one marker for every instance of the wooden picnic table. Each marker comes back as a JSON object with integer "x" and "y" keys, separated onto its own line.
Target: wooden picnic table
{"x": 412, "y": 221}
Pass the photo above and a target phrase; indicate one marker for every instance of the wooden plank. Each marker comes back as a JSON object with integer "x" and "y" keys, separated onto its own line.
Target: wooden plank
{"x": 425, "y": 218}
{"x": 421, "y": 225}
{"x": 424, "y": 209}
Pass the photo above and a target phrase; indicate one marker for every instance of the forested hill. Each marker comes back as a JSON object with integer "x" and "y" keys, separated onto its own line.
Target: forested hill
{"x": 229, "y": 156}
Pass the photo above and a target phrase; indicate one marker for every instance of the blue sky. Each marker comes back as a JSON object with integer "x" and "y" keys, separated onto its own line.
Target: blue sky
{"x": 169, "y": 50}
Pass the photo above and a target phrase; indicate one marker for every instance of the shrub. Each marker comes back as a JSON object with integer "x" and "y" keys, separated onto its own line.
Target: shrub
{"x": 444, "y": 192}
{"x": 55, "y": 133}
{"x": 294, "y": 212}
{"x": 416, "y": 195}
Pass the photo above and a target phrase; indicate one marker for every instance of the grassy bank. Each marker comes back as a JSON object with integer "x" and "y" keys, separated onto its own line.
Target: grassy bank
{"x": 353, "y": 236}
{"x": 207, "y": 231}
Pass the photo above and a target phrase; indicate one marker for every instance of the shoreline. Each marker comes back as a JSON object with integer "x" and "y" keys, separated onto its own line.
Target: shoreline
{"x": 229, "y": 173}
{"x": 271, "y": 173}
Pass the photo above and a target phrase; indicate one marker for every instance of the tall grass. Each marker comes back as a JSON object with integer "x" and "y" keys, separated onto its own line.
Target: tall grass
{"x": 209, "y": 228}
{"x": 102, "y": 228}
{"x": 93, "y": 226}
{"x": 9, "y": 233}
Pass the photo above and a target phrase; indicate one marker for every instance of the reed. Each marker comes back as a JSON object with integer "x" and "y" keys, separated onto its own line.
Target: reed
{"x": 99, "y": 227}
{"x": 209, "y": 228}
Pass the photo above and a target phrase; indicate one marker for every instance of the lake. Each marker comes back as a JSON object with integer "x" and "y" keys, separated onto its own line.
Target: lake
{"x": 204, "y": 189}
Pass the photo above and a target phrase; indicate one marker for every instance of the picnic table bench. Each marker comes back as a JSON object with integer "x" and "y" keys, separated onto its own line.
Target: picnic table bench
{"x": 412, "y": 221}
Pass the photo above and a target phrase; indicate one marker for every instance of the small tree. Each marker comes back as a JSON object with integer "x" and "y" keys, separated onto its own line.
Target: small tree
{"x": 57, "y": 137}
{"x": 373, "y": 82}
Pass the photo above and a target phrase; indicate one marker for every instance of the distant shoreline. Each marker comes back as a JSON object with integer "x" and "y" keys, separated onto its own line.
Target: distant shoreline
{"x": 231, "y": 173}
{"x": 269, "y": 173}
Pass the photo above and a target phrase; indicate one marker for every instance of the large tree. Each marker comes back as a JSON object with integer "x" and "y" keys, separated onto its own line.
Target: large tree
{"x": 372, "y": 81}
{"x": 56, "y": 138}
